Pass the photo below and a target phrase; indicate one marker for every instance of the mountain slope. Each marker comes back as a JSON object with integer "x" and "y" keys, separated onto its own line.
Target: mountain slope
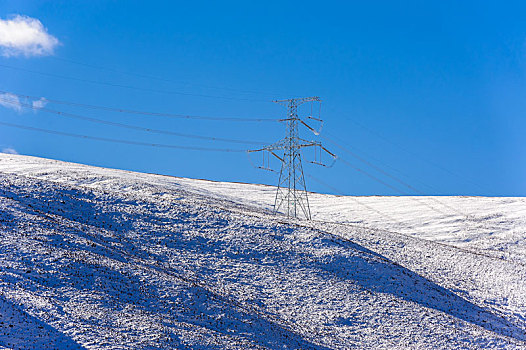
{"x": 100, "y": 258}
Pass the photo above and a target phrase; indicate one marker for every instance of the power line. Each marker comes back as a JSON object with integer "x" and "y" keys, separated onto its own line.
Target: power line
{"x": 389, "y": 175}
{"x": 127, "y": 86}
{"x": 362, "y": 204}
{"x": 147, "y": 76}
{"x": 349, "y": 164}
{"x": 361, "y": 158}
{"x": 360, "y": 170}
{"x": 436, "y": 165}
{"x": 154, "y": 114}
{"x": 353, "y": 199}
{"x": 96, "y": 138}
{"x": 128, "y": 126}
{"x": 365, "y": 161}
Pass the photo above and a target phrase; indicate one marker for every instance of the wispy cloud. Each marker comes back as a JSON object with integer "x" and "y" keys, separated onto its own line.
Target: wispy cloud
{"x": 9, "y": 150}
{"x": 10, "y": 101}
{"x": 38, "y": 104}
{"x": 21, "y": 103}
{"x": 25, "y": 36}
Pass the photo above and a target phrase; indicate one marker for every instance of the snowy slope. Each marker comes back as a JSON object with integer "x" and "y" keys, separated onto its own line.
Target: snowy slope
{"x": 105, "y": 259}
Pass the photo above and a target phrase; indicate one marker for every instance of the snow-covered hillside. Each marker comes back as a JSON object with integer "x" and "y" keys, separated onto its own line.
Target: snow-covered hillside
{"x": 107, "y": 259}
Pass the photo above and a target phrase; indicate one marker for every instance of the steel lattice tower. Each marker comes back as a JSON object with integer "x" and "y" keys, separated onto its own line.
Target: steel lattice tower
{"x": 291, "y": 195}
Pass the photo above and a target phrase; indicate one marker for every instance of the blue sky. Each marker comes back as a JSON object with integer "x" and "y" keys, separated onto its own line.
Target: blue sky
{"x": 432, "y": 94}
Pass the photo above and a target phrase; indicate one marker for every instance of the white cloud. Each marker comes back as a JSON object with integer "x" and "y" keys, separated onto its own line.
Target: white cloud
{"x": 25, "y": 36}
{"x": 38, "y": 104}
{"x": 9, "y": 150}
{"x": 18, "y": 103}
{"x": 11, "y": 101}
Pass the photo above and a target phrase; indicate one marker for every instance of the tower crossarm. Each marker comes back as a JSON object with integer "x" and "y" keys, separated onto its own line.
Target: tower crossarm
{"x": 297, "y": 101}
{"x": 308, "y": 144}
{"x": 277, "y": 146}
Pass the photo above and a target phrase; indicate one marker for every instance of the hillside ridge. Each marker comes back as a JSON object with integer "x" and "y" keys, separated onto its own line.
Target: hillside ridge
{"x": 101, "y": 259}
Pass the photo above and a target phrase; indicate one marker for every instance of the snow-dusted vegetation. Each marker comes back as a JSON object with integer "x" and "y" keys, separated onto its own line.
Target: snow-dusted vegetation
{"x": 106, "y": 259}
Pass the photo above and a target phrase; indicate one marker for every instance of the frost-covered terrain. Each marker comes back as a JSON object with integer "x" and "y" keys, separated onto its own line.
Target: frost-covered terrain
{"x": 107, "y": 259}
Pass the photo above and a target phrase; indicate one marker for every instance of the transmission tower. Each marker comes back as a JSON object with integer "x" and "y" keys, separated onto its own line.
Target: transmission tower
{"x": 291, "y": 194}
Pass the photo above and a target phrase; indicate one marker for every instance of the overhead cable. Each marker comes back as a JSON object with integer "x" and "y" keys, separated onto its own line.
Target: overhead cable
{"x": 349, "y": 164}
{"x": 353, "y": 199}
{"x": 128, "y": 126}
{"x": 424, "y": 159}
{"x": 147, "y": 76}
{"x": 137, "y": 143}
{"x": 154, "y": 114}
{"x": 365, "y": 161}
{"x": 127, "y": 86}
